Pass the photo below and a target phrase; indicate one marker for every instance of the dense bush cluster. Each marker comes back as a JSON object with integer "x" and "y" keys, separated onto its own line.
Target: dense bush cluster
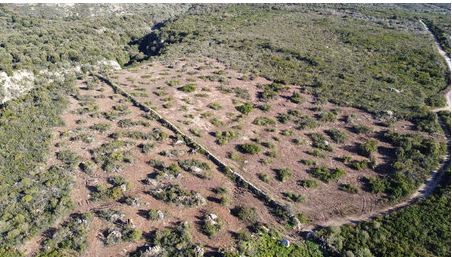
{"x": 30, "y": 200}
{"x": 175, "y": 194}
{"x": 245, "y": 108}
{"x": 30, "y": 41}
{"x": 326, "y": 175}
{"x": 174, "y": 242}
{"x": 415, "y": 158}
{"x": 112, "y": 155}
{"x": 70, "y": 239}
{"x": 265, "y": 244}
{"x": 422, "y": 229}
{"x": 223, "y": 137}
{"x": 249, "y": 148}
{"x": 211, "y": 224}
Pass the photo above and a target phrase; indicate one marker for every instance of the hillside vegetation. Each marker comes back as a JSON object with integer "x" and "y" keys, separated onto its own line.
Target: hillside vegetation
{"x": 84, "y": 170}
{"x": 422, "y": 229}
{"x": 376, "y": 65}
{"x": 32, "y": 195}
{"x": 33, "y": 42}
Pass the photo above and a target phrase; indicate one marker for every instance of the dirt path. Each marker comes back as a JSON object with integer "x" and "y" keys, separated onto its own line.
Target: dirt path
{"x": 447, "y": 95}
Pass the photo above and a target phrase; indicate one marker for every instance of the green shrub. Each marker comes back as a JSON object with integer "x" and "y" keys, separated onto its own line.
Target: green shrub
{"x": 283, "y": 174}
{"x": 175, "y": 241}
{"x": 348, "y": 188}
{"x": 175, "y": 194}
{"x": 87, "y": 166}
{"x": 173, "y": 83}
{"x": 214, "y": 106}
{"x": 361, "y": 129}
{"x": 153, "y": 214}
{"x": 195, "y": 132}
{"x": 146, "y": 147}
{"x": 306, "y": 122}
{"x": 270, "y": 91}
{"x": 68, "y": 158}
{"x": 101, "y": 127}
{"x": 172, "y": 171}
{"x": 249, "y": 148}
{"x": 110, "y": 215}
{"x": 416, "y": 156}
{"x": 247, "y": 214}
{"x": 216, "y": 122}
{"x": 127, "y": 123}
{"x": 319, "y": 141}
{"x": 326, "y": 175}
{"x": 196, "y": 167}
{"x": 263, "y": 177}
{"x": 308, "y": 162}
{"x": 118, "y": 181}
{"x": 308, "y": 183}
{"x": 327, "y": 116}
{"x": 368, "y": 147}
{"x": 359, "y": 165}
{"x": 337, "y": 136}
{"x": 189, "y": 88}
{"x": 133, "y": 235}
{"x": 296, "y": 98}
{"x": 245, "y": 108}
{"x": 223, "y": 137}
{"x": 264, "y": 121}
{"x": 317, "y": 153}
{"x": 303, "y": 218}
{"x": 427, "y": 122}
{"x": 264, "y": 107}
{"x": 287, "y": 132}
{"x": 211, "y": 224}
{"x": 265, "y": 244}
{"x": 71, "y": 236}
{"x": 294, "y": 197}
{"x": 112, "y": 155}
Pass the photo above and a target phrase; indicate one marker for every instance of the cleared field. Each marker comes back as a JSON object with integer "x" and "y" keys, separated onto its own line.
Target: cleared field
{"x": 133, "y": 174}
{"x": 310, "y": 154}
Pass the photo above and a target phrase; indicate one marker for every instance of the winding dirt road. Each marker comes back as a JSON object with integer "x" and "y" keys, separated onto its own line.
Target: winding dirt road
{"x": 447, "y": 59}
{"x": 423, "y": 191}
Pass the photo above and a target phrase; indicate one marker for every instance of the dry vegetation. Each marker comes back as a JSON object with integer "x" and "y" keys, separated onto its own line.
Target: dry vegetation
{"x": 133, "y": 179}
{"x": 268, "y": 89}
{"x": 282, "y": 138}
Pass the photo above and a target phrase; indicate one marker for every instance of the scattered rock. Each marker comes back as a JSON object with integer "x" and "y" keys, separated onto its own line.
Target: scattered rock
{"x": 285, "y": 242}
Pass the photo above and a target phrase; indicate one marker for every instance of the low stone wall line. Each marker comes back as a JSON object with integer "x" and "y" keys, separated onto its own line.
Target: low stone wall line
{"x": 191, "y": 142}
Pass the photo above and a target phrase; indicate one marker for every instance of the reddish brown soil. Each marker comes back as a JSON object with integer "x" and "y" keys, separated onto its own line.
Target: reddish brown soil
{"x": 150, "y": 84}
{"x": 322, "y": 203}
{"x": 137, "y": 171}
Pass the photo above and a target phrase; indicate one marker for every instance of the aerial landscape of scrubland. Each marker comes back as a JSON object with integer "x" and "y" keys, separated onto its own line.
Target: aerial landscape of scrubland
{"x": 225, "y": 130}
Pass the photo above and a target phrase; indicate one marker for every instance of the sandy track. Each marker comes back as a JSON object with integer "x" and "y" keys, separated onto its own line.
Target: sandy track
{"x": 447, "y": 94}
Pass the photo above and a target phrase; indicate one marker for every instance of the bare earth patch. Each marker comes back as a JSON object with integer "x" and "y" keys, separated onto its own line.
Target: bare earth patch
{"x": 99, "y": 116}
{"x": 202, "y": 98}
